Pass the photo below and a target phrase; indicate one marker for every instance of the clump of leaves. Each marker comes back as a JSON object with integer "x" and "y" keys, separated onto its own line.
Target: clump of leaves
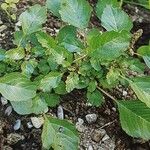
{"x": 41, "y": 68}
{"x": 9, "y": 6}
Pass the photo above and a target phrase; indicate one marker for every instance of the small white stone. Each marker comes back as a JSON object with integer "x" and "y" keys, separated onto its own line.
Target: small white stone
{"x": 106, "y": 137}
{"x": 2, "y": 28}
{"x": 17, "y": 125}
{"x": 90, "y": 147}
{"x": 124, "y": 93}
{"x": 37, "y": 122}
{"x": 80, "y": 121}
{"x": 60, "y": 112}
{"x": 4, "y": 101}
{"x": 29, "y": 125}
{"x": 8, "y": 111}
{"x": 91, "y": 118}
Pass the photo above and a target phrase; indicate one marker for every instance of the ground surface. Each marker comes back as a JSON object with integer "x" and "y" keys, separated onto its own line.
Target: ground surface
{"x": 104, "y": 133}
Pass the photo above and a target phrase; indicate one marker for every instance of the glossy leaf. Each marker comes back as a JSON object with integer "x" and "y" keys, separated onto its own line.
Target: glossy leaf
{"x": 95, "y": 98}
{"x": 144, "y": 51}
{"x": 76, "y": 12}
{"x": 67, "y": 37}
{"x": 54, "y": 6}
{"x": 59, "y": 135}
{"x": 32, "y": 19}
{"x": 50, "y": 81}
{"x": 36, "y": 105}
{"x": 16, "y": 87}
{"x": 115, "y": 19}
{"x": 141, "y": 86}
{"x": 112, "y": 45}
{"x": 101, "y": 5}
{"x": 134, "y": 117}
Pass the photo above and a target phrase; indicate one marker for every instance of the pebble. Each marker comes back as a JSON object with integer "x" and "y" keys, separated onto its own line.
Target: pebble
{"x": 97, "y": 135}
{"x": 2, "y": 28}
{"x": 13, "y": 138}
{"x": 37, "y": 122}
{"x": 107, "y": 145}
{"x": 80, "y": 121}
{"x": 8, "y": 111}
{"x": 90, "y": 147}
{"x": 91, "y": 118}
{"x": 124, "y": 93}
{"x": 106, "y": 137}
{"x": 4, "y": 101}
{"x": 29, "y": 125}
{"x": 17, "y": 125}
{"x": 79, "y": 125}
{"x": 60, "y": 112}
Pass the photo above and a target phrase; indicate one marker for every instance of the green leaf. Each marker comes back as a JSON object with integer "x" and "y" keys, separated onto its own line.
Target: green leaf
{"x": 67, "y": 37}
{"x": 54, "y": 6}
{"x": 95, "y": 64}
{"x": 72, "y": 81}
{"x": 61, "y": 88}
{"x": 15, "y": 54}
{"x": 3, "y": 68}
{"x": 28, "y": 67}
{"x": 101, "y": 5}
{"x": 134, "y": 117}
{"x": 144, "y": 51}
{"x": 50, "y": 81}
{"x": 91, "y": 36}
{"x": 16, "y": 87}
{"x": 2, "y": 54}
{"x": 51, "y": 99}
{"x": 36, "y": 105}
{"x": 113, "y": 76}
{"x": 59, "y": 135}
{"x": 43, "y": 66}
{"x": 141, "y": 86}
{"x": 92, "y": 86}
{"x": 95, "y": 98}
{"x": 115, "y": 19}
{"x": 32, "y": 19}
{"x": 45, "y": 40}
{"x": 113, "y": 45}
{"x": 76, "y": 12}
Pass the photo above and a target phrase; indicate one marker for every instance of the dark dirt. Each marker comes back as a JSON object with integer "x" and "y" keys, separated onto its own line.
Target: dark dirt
{"x": 74, "y": 104}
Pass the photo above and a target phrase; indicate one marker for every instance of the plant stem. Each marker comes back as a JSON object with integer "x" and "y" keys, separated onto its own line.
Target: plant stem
{"x": 80, "y": 58}
{"x": 107, "y": 94}
{"x": 121, "y": 3}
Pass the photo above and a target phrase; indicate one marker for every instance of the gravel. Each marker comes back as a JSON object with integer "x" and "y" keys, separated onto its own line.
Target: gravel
{"x": 17, "y": 125}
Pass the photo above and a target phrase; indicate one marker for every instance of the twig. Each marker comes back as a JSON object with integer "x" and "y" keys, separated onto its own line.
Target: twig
{"x": 107, "y": 124}
{"x": 107, "y": 94}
